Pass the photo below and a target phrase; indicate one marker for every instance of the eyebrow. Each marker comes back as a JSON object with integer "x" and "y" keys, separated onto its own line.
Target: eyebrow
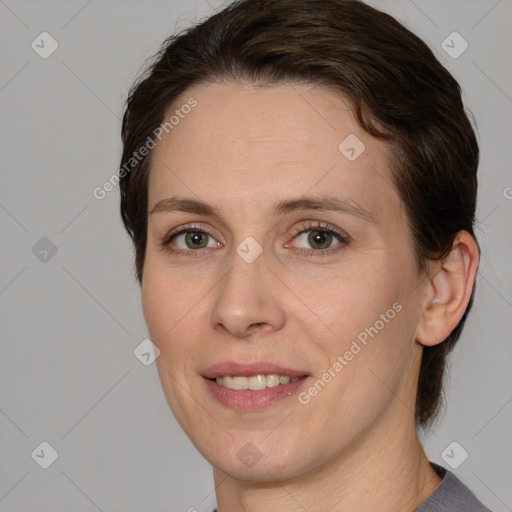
{"x": 324, "y": 203}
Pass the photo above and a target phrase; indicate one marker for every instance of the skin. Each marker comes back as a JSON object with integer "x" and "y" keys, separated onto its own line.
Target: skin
{"x": 354, "y": 445}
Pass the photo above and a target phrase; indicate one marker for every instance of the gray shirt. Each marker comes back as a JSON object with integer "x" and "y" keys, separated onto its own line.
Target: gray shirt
{"x": 451, "y": 495}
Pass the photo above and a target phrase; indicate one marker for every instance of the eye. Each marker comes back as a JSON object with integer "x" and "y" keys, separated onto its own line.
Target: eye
{"x": 188, "y": 240}
{"x": 193, "y": 240}
{"x": 320, "y": 238}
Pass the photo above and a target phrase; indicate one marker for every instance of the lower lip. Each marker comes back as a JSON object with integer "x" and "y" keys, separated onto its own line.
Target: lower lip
{"x": 249, "y": 400}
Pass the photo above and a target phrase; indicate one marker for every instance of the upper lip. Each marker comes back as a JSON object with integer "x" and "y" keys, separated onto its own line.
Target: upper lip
{"x": 230, "y": 368}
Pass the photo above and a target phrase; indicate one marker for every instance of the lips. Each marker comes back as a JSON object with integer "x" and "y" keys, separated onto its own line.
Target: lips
{"x": 253, "y": 397}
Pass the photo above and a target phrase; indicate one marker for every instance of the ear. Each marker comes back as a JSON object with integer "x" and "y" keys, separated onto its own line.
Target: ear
{"x": 448, "y": 291}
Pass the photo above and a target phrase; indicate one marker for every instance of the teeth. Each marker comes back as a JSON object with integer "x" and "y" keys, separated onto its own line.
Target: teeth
{"x": 240, "y": 383}
{"x": 255, "y": 382}
{"x": 272, "y": 380}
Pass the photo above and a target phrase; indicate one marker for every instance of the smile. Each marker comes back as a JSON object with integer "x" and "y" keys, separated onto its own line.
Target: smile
{"x": 253, "y": 385}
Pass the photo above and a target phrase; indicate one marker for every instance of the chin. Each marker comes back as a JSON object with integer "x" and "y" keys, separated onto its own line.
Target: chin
{"x": 257, "y": 457}
{"x": 264, "y": 470}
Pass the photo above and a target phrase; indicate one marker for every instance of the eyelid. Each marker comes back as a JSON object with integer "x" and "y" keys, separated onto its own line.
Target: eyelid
{"x": 321, "y": 226}
{"x": 178, "y": 231}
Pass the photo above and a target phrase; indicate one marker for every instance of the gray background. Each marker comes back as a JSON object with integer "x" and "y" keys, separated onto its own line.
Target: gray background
{"x": 71, "y": 322}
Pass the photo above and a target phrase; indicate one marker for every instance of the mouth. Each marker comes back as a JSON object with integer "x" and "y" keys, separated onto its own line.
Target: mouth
{"x": 253, "y": 386}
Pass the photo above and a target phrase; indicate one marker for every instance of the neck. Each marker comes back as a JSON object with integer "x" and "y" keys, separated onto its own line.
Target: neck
{"x": 386, "y": 470}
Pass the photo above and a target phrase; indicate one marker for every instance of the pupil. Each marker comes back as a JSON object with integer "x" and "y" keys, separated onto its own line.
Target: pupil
{"x": 194, "y": 238}
{"x": 319, "y": 238}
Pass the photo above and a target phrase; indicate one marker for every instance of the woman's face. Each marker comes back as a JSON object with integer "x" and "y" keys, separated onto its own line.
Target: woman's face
{"x": 269, "y": 281}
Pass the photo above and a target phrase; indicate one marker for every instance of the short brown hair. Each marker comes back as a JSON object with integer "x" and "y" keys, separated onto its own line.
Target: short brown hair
{"x": 399, "y": 91}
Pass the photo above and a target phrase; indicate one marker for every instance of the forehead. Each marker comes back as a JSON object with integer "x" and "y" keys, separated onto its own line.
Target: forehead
{"x": 242, "y": 147}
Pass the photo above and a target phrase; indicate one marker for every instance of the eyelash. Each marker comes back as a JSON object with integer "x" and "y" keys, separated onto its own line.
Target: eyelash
{"x": 316, "y": 226}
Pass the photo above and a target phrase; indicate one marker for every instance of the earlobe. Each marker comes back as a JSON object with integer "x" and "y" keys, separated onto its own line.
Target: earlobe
{"x": 448, "y": 291}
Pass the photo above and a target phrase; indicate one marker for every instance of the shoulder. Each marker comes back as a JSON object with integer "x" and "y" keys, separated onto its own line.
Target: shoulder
{"x": 452, "y": 495}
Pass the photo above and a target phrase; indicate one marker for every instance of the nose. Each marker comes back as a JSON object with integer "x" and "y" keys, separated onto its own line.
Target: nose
{"x": 248, "y": 299}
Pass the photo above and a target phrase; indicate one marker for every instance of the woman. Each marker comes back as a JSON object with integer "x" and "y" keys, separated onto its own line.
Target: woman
{"x": 299, "y": 181}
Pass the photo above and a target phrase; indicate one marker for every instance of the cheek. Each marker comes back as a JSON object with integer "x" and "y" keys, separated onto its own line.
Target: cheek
{"x": 161, "y": 305}
{"x": 167, "y": 313}
{"x": 352, "y": 301}
{"x": 365, "y": 366}
{"x": 370, "y": 331}
{"x": 154, "y": 303}
{"x": 175, "y": 312}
